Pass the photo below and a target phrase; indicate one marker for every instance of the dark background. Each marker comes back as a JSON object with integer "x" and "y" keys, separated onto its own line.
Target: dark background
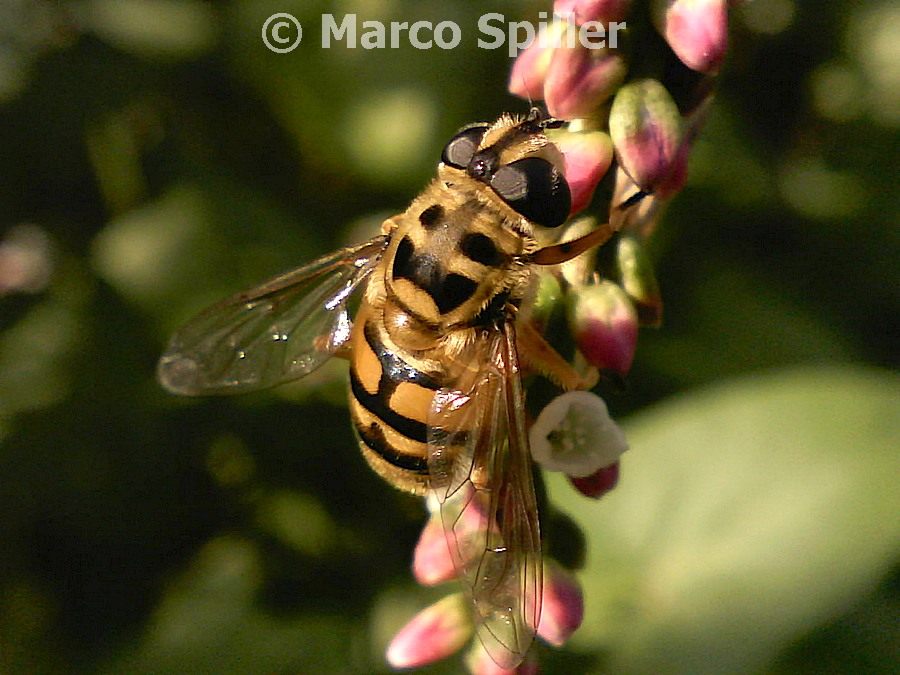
{"x": 155, "y": 157}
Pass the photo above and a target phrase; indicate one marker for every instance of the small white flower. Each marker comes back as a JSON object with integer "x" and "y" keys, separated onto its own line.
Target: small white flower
{"x": 575, "y": 434}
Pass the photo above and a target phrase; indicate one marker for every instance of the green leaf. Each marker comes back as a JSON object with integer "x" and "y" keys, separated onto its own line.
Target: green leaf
{"x": 748, "y": 514}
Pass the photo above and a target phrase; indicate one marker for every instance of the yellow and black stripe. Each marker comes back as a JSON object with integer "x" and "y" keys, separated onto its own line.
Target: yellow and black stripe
{"x": 389, "y": 403}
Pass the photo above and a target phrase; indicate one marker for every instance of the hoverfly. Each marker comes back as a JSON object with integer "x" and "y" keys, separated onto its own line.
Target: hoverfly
{"x": 435, "y": 353}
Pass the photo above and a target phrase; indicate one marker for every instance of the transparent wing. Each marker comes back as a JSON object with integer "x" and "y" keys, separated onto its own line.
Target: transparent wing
{"x": 279, "y": 331}
{"x": 480, "y": 467}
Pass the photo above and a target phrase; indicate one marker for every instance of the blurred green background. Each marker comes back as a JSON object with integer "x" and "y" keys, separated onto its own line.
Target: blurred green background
{"x": 155, "y": 156}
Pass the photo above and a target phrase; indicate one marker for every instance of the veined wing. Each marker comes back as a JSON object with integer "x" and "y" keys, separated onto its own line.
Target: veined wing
{"x": 480, "y": 467}
{"x": 279, "y": 331}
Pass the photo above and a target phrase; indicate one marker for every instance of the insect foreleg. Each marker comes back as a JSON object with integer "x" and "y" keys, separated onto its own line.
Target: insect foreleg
{"x": 543, "y": 358}
{"x": 560, "y": 253}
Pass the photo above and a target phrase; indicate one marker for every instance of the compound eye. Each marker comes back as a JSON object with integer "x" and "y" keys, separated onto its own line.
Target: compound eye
{"x": 536, "y": 189}
{"x": 462, "y": 147}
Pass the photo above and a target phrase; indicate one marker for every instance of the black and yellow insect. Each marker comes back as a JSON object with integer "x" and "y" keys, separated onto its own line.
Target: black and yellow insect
{"x": 435, "y": 385}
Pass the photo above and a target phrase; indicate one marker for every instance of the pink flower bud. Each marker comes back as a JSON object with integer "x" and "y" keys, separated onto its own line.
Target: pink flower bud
{"x": 562, "y": 605}
{"x": 605, "y": 325}
{"x": 598, "y": 483}
{"x": 530, "y": 67}
{"x": 588, "y": 155}
{"x": 646, "y": 130}
{"x": 603, "y": 11}
{"x": 467, "y": 513}
{"x": 677, "y": 176}
{"x": 638, "y": 280}
{"x": 432, "y": 563}
{"x": 579, "y": 80}
{"x": 673, "y": 181}
{"x": 433, "y": 634}
{"x": 696, "y": 30}
{"x": 526, "y": 79}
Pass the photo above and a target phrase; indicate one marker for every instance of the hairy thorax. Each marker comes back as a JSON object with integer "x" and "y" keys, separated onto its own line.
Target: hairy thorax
{"x": 450, "y": 256}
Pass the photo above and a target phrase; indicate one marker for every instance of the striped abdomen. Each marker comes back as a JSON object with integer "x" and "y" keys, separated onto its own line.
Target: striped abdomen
{"x": 390, "y": 397}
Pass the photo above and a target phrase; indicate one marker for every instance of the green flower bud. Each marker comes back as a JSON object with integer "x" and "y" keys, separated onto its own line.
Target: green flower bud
{"x": 639, "y": 281}
{"x": 646, "y": 130}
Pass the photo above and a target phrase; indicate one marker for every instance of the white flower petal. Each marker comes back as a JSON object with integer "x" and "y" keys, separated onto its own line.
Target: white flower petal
{"x": 575, "y": 434}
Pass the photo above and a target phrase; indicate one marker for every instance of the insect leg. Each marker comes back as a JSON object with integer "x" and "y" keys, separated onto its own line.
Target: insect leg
{"x": 560, "y": 253}
{"x": 543, "y": 358}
